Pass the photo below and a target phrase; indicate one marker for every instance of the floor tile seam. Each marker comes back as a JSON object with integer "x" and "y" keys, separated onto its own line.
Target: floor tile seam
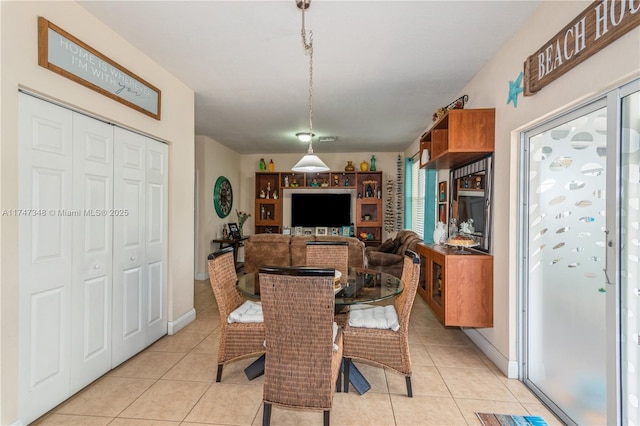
{"x": 138, "y": 397}
{"x": 195, "y": 404}
{"x": 184, "y": 355}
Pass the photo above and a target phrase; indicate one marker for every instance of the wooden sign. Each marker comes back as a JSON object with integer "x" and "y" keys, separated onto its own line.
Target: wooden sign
{"x": 64, "y": 54}
{"x": 600, "y": 24}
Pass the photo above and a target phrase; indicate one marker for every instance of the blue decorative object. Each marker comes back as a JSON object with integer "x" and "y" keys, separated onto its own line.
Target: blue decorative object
{"x": 515, "y": 90}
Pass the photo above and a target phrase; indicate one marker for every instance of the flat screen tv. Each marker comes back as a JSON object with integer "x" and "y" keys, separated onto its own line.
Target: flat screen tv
{"x": 329, "y": 210}
{"x": 471, "y": 208}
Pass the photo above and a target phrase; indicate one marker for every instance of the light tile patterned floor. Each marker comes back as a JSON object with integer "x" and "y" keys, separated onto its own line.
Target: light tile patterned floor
{"x": 173, "y": 383}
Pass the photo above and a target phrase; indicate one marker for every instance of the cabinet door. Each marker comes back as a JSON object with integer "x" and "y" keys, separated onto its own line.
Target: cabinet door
{"x": 439, "y": 142}
{"x": 92, "y": 250}
{"x": 44, "y": 255}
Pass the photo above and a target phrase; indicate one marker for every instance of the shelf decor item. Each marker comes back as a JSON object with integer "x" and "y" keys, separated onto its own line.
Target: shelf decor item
{"x": 349, "y": 167}
{"x": 271, "y": 166}
{"x": 364, "y": 166}
{"x": 372, "y": 164}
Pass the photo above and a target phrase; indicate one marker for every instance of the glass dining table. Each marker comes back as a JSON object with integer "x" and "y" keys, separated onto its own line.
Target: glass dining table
{"x": 359, "y": 286}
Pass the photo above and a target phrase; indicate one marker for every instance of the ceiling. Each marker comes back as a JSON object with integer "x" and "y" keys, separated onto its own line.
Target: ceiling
{"x": 381, "y": 68}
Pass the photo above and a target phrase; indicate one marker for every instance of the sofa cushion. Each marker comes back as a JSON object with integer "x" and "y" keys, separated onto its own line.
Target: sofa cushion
{"x": 266, "y": 250}
{"x": 387, "y": 247}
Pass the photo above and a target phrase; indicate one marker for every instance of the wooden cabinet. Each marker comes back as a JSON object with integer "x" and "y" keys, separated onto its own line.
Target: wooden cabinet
{"x": 459, "y": 137}
{"x": 457, "y": 287}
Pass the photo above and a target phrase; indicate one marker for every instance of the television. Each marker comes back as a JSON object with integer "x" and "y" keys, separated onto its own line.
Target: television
{"x": 472, "y": 207}
{"x": 331, "y": 210}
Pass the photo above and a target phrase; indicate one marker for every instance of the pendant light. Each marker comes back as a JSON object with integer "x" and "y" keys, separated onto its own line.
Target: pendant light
{"x": 310, "y": 162}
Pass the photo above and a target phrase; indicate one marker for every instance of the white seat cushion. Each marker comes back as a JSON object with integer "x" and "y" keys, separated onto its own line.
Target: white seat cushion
{"x": 381, "y": 317}
{"x": 247, "y": 312}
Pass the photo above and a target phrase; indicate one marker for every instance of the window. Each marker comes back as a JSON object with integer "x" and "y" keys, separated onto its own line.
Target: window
{"x": 415, "y": 185}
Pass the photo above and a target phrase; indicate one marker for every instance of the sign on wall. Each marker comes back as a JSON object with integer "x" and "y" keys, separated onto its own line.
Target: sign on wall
{"x": 599, "y": 25}
{"x": 64, "y": 54}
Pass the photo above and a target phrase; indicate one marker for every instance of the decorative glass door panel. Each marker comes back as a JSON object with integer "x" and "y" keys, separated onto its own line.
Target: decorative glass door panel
{"x": 565, "y": 298}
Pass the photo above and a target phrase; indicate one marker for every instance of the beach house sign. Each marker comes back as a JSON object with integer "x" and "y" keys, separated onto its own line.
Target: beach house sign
{"x": 599, "y": 25}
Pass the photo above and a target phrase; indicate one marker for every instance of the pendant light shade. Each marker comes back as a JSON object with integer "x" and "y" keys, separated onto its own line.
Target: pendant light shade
{"x": 310, "y": 163}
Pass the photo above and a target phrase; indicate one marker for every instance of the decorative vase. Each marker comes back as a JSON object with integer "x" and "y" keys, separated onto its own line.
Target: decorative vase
{"x": 271, "y": 166}
{"x": 349, "y": 167}
{"x": 263, "y": 165}
{"x": 372, "y": 166}
{"x": 364, "y": 166}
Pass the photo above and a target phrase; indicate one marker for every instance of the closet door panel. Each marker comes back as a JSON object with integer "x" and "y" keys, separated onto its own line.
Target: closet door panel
{"x": 44, "y": 254}
{"x": 129, "y": 311}
{"x": 156, "y": 239}
{"x": 92, "y": 223}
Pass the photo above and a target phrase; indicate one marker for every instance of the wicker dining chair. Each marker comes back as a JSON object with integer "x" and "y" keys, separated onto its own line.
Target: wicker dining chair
{"x": 329, "y": 254}
{"x": 237, "y": 339}
{"x": 384, "y": 346}
{"x": 302, "y": 365}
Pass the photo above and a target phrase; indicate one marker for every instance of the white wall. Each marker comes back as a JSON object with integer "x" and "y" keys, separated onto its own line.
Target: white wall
{"x": 212, "y": 161}
{"x": 616, "y": 64}
{"x": 18, "y": 36}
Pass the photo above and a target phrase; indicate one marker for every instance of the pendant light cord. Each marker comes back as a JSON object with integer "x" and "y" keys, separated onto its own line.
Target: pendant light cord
{"x": 308, "y": 50}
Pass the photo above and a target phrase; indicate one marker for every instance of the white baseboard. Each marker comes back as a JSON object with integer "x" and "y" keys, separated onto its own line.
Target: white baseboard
{"x": 508, "y": 367}
{"x": 174, "y": 326}
{"x": 202, "y": 276}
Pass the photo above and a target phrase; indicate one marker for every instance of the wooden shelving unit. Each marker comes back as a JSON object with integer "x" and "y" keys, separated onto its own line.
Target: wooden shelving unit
{"x": 368, "y": 185}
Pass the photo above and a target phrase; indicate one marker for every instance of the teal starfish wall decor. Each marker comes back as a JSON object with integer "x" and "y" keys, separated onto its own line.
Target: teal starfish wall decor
{"x": 515, "y": 90}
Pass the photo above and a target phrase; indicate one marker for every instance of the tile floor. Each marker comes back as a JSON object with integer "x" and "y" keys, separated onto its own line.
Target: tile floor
{"x": 173, "y": 383}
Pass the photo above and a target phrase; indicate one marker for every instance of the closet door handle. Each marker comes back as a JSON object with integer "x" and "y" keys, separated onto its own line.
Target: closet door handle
{"x": 609, "y": 244}
{"x": 132, "y": 258}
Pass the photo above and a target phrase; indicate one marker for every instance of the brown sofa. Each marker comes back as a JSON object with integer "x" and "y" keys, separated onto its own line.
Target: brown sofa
{"x": 290, "y": 250}
{"x": 388, "y": 256}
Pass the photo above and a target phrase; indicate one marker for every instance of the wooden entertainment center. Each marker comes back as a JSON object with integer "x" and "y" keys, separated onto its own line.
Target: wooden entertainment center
{"x": 366, "y": 186}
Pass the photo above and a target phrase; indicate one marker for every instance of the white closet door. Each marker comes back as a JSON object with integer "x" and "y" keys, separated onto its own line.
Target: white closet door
{"x": 156, "y": 239}
{"x": 92, "y": 250}
{"x": 45, "y": 254}
{"x": 129, "y": 271}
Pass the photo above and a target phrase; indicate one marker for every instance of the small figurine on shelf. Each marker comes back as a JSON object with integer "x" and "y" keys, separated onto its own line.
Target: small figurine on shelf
{"x": 369, "y": 191}
{"x": 263, "y": 165}
{"x": 286, "y": 181}
{"x": 262, "y": 194}
{"x": 271, "y": 166}
{"x": 336, "y": 180}
{"x": 346, "y": 181}
{"x": 275, "y": 194}
{"x": 268, "y": 189}
{"x": 315, "y": 182}
{"x": 294, "y": 183}
{"x": 325, "y": 183}
{"x": 263, "y": 214}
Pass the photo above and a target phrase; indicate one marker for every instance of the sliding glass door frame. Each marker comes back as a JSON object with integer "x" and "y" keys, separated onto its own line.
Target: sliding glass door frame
{"x": 612, "y": 100}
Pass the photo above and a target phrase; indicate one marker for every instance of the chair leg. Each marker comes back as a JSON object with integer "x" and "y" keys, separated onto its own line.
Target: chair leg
{"x": 347, "y": 366}
{"x": 409, "y": 391}
{"x": 339, "y": 381}
{"x": 326, "y": 417}
{"x": 219, "y": 374}
{"x": 266, "y": 414}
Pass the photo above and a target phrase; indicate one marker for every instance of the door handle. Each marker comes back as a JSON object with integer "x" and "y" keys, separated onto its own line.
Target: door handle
{"x": 609, "y": 244}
